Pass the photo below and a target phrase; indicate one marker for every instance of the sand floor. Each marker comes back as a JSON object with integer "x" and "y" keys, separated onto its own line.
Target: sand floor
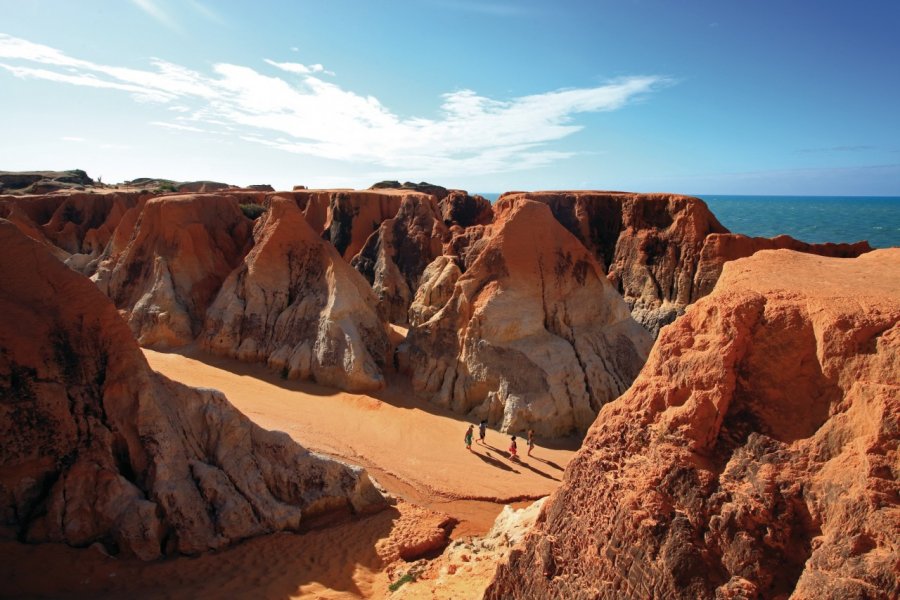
{"x": 411, "y": 448}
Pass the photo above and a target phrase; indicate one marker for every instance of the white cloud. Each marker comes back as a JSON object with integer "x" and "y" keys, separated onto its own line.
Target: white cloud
{"x": 72, "y": 138}
{"x": 472, "y": 134}
{"x": 299, "y": 68}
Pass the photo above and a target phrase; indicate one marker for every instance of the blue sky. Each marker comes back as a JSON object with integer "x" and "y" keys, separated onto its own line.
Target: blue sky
{"x": 727, "y": 97}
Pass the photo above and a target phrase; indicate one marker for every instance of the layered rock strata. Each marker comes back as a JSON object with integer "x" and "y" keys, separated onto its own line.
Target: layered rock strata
{"x": 395, "y": 256}
{"x": 533, "y": 334}
{"x": 661, "y": 251}
{"x": 166, "y": 261}
{"x": 297, "y": 305}
{"x": 756, "y": 456}
{"x": 95, "y": 448}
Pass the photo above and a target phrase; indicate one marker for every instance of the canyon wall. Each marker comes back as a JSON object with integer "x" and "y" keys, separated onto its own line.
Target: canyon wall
{"x": 95, "y": 448}
{"x": 533, "y": 334}
{"x": 756, "y": 456}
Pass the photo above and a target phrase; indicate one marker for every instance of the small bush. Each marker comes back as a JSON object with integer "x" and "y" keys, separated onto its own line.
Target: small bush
{"x": 252, "y": 211}
{"x": 409, "y": 577}
{"x": 166, "y": 187}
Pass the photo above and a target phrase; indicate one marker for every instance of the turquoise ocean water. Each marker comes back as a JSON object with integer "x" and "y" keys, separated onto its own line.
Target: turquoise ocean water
{"x": 812, "y": 219}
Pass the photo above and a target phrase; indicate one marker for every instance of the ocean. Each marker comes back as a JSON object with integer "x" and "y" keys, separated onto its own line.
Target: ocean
{"x": 813, "y": 219}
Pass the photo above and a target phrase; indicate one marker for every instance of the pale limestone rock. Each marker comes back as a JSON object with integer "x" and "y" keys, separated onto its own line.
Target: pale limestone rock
{"x": 295, "y": 304}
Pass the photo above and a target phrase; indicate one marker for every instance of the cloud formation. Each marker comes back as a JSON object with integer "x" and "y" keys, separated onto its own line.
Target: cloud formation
{"x": 308, "y": 115}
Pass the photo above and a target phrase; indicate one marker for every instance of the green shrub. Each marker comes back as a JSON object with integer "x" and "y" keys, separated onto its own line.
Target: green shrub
{"x": 252, "y": 211}
{"x": 409, "y": 577}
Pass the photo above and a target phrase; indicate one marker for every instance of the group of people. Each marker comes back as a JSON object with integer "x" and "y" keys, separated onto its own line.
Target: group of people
{"x": 513, "y": 447}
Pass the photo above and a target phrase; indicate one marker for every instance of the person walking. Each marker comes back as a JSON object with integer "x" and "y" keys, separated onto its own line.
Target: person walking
{"x": 512, "y": 449}
{"x": 482, "y": 430}
{"x": 469, "y": 433}
{"x": 530, "y": 441}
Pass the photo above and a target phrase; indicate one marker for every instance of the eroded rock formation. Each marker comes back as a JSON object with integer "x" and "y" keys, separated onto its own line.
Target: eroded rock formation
{"x": 533, "y": 335}
{"x": 96, "y": 448}
{"x": 297, "y": 305}
{"x": 76, "y": 225}
{"x": 756, "y": 456}
{"x": 167, "y": 259}
{"x": 661, "y": 251}
{"x": 395, "y": 256}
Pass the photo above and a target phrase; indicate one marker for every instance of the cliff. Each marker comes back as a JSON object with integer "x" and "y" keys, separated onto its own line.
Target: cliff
{"x": 297, "y": 305}
{"x": 754, "y": 457}
{"x": 533, "y": 334}
{"x": 662, "y": 252}
{"x": 95, "y": 448}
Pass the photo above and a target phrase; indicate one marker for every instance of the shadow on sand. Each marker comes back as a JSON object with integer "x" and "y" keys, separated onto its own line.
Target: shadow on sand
{"x": 494, "y": 462}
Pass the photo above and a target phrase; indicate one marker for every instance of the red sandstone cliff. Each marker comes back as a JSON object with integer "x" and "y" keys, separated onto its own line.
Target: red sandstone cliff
{"x": 96, "y": 448}
{"x": 167, "y": 259}
{"x": 296, "y": 304}
{"x": 756, "y": 456}
{"x": 533, "y": 334}
{"x": 661, "y": 251}
{"x": 396, "y": 254}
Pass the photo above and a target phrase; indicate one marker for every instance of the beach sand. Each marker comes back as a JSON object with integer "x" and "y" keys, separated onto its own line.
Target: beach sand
{"x": 411, "y": 448}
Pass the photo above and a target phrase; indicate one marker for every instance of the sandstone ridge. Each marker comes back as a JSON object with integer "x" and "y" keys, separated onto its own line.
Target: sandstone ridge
{"x": 754, "y": 457}
{"x": 95, "y": 448}
{"x": 533, "y": 334}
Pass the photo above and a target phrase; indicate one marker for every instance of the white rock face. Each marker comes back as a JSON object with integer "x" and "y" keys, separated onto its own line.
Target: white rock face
{"x": 435, "y": 289}
{"x": 296, "y": 304}
{"x": 534, "y": 336}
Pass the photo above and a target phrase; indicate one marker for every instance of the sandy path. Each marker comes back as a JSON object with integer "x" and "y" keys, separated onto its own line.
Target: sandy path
{"x": 414, "y": 449}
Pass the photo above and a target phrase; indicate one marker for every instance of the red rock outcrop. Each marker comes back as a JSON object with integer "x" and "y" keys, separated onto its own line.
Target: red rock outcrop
{"x": 720, "y": 248}
{"x": 649, "y": 244}
{"x": 167, "y": 259}
{"x": 756, "y": 456}
{"x": 459, "y": 208}
{"x": 97, "y": 448}
{"x": 296, "y": 304}
{"x": 661, "y": 251}
{"x": 395, "y": 256}
{"x": 533, "y": 335}
{"x": 76, "y": 225}
{"x": 351, "y": 215}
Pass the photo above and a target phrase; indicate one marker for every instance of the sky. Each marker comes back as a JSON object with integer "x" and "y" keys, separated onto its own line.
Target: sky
{"x": 698, "y": 97}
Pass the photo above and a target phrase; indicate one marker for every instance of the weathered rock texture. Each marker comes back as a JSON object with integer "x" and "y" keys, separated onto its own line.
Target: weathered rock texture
{"x": 351, "y": 216}
{"x": 756, "y": 456}
{"x": 166, "y": 261}
{"x": 76, "y": 225}
{"x": 533, "y": 335}
{"x": 96, "y": 448}
{"x": 721, "y": 248}
{"x": 395, "y": 256}
{"x": 654, "y": 246}
{"x": 297, "y": 305}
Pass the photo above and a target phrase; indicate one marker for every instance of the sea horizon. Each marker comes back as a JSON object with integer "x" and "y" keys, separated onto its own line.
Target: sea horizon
{"x": 809, "y": 218}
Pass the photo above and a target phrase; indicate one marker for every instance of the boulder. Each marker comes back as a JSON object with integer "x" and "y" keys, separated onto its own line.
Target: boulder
{"x": 756, "y": 455}
{"x": 166, "y": 262}
{"x": 295, "y": 304}
{"x": 95, "y": 448}
{"x": 533, "y": 336}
